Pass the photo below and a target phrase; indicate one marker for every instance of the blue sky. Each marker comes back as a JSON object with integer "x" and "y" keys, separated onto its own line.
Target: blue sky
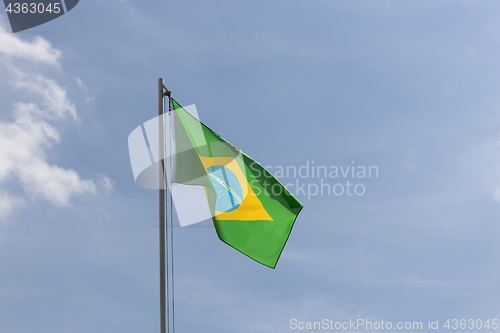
{"x": 410, "y": 87}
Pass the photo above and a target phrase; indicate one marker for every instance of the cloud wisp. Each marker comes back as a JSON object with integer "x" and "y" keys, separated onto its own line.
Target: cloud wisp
{"x": 25, "y": 141}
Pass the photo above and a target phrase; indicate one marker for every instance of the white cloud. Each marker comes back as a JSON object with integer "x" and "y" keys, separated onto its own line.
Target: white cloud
{"x": 106, "y": 183}
{"x": 8, "y": 203}
{"x": 22, "y": 153}
{"x": 52, "y": 182}
{"x": 25, "y": 141}
{"x": 39, "y": 50}
{"x": 84, "y": 88}
{"x": 54, "y": 97}
{"x": 496, "y": 195}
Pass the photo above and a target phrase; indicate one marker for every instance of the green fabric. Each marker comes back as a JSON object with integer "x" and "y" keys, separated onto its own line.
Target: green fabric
{"x": 261, "y": 240}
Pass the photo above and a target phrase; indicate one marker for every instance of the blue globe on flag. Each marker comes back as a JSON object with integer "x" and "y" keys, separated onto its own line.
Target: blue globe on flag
{"x": 227, "y": 187}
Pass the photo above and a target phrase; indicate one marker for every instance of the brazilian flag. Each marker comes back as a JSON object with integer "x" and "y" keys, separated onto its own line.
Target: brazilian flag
{"x": 251, "y": 210}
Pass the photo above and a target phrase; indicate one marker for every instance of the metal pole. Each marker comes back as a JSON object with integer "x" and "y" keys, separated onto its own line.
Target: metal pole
{"x": 161, "y": 148}
{"x": 170, "y": 250}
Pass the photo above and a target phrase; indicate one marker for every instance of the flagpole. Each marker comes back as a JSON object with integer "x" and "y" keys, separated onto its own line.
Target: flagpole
{"x": 165, "y": 248}
{"x": 161, "y": 170}
{"x": 170, "y": 246}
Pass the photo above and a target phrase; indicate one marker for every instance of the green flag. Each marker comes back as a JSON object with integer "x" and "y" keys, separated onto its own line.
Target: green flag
{"x": 251, "y": 210}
